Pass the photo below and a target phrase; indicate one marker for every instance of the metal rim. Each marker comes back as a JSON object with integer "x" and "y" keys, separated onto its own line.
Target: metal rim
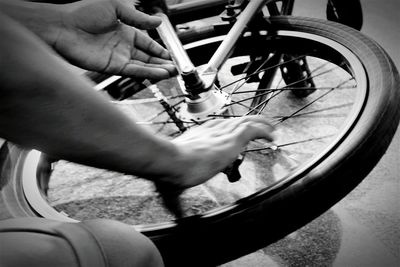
{"x": 42, "y": 207}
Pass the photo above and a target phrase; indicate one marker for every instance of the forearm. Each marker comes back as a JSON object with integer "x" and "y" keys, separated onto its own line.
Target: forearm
{"x": 44, "y": 106}
{"x": 45, "y": 20}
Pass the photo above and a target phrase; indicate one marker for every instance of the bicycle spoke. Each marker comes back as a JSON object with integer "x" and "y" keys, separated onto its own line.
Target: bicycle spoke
{"x": 245, "y": 99}
{"x": 258, "y": 70}
{"x": 279, "y": 90}
{"x": 312, "y": 102}
{"x": 320, "y": 67}
{"x": 261, "y": 106}
{"x": 154, "y": 122}
{"x": 316, "y": 111}
{"x": 305, "y": 141}
{"x": 252, "y": 91}
{"x": 262, "y": 70}
{"x": 144, "y": 100}
{"x": 224, "y": 116}
{"x": 263, "y": 102}
{"x": 264, "y": 105}
{"x": 311, "y": 77}
{"x": 232, "y": 111}
{"x": 259, "y": 111}
{"x": 275, "y": 66}
{"x": 292, "y": 88}
{"x": 274, "y": 147}
{"x": 164, "y": 111}
{"x": 310, "y": 88}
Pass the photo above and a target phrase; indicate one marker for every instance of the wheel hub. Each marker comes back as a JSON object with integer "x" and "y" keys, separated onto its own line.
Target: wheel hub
{"x": 213, "y": 102}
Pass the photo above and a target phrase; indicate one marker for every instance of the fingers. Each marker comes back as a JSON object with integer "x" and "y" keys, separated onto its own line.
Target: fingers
{"x": 149, "y": 71}
{"x": 153, "y": 53}
{"x": 147, "y": 44}
{"x": 128, "y": 14}
{"x": 245, "y": 123}
{"x": 238, "y": 130}
{"x": 245, "y": 129}
{"x": 149, "y": 59}
{"x": 141, "y": 57}
{"x": 248, "y": 131}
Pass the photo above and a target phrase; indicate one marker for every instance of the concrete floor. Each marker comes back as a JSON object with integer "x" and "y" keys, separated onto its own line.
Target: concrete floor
{"x": 370, "y": 216}
{"x": 364, "y": 228}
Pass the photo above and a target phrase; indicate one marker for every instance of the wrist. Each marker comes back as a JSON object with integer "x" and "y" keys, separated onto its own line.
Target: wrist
{"x": 169, "y": 163}
{"x": 185, "y": 167}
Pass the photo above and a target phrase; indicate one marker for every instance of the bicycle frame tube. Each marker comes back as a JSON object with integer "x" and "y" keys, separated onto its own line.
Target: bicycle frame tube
{"x": 168, "y": 35}
{"x": 234, "y": 34}
{"x": 194, "y": 10}
{"x": 199, "y": 9}
{"x": 183, "y": 62}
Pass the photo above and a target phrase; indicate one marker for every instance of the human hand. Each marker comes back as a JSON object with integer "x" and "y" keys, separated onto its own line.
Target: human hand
{"x": 106, "y": 36}
{"x": 210, "y": 148}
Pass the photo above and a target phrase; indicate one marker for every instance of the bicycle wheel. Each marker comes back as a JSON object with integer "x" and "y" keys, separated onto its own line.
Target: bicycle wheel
{"x": 327, "y": 143}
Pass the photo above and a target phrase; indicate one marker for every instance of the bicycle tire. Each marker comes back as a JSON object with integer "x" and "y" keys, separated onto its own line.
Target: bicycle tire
{"x": 268, "y": 215}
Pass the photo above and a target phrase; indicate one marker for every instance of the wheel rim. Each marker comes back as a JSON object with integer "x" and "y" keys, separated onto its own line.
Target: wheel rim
{"x": 34, "y": 194}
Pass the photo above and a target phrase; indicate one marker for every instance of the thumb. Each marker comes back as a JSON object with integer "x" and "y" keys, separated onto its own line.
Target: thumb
{"x": 128, "y": 14}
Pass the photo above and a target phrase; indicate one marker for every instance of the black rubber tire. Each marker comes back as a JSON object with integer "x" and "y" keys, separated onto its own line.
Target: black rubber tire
{"x": 271, "y": 214}
{"x": 268, "y": 216}
{"x": 347, "y": 12}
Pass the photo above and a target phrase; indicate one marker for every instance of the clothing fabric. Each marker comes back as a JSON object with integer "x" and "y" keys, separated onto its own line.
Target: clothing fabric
{"x": 100, "y": 243}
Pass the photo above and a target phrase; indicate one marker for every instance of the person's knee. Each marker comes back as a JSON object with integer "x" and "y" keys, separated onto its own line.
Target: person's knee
{"x": 123, "y": 245}
{"x": 41, "y": 242}
{"x": 25, "y": 249}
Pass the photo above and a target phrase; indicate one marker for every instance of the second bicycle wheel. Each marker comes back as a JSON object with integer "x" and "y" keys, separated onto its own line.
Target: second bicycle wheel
{"x": 331, "y": 94}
